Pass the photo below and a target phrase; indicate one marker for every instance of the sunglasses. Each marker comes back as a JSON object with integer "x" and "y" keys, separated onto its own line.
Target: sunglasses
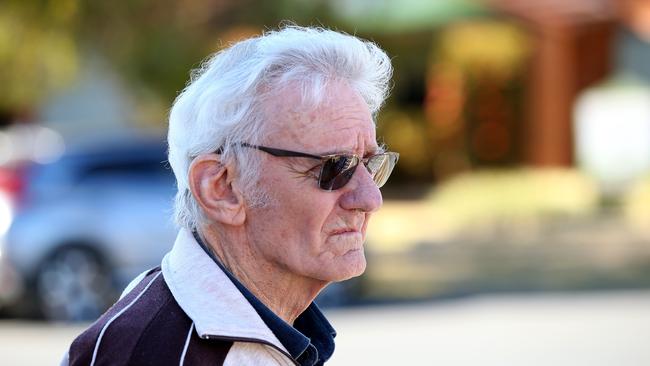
{"x": 337, "y": 169}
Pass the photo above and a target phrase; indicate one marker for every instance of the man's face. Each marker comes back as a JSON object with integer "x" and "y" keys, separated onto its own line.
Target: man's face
{"x": 305, "y": 230}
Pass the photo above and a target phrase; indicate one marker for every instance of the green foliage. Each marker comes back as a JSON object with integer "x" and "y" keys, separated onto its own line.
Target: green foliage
{"x": 404, "y": 131}
{"x": 153, "y": 44}
{"x": 38, "y": 53}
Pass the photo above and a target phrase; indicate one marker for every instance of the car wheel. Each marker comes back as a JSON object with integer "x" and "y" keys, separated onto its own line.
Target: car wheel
{"x": 73, "y": 285}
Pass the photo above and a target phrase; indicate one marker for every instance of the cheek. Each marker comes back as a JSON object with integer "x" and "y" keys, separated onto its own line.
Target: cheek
{"x": 313, "y": 216}
{"x": 307, "y": 216}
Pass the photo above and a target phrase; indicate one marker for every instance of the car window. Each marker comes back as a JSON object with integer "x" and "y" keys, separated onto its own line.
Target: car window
{"x": 125, "y": 169}
{"x": 141, "y": 165}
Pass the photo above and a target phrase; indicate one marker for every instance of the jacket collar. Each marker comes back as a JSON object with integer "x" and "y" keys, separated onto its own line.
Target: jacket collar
{"x": 208, "y": 297}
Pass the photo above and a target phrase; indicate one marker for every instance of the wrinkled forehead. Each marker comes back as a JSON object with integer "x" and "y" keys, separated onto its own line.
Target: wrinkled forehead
{"x": 338, "y": 121}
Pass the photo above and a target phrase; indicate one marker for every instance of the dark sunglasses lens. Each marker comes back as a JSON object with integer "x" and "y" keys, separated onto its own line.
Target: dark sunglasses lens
{"x": 337, "y": 171}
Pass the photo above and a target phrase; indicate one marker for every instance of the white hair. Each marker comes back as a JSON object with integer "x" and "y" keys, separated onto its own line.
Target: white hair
{"x": 220, "y": 106}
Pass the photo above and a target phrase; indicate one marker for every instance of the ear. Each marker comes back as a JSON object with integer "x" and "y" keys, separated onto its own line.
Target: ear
{"x": 214, "y": 188}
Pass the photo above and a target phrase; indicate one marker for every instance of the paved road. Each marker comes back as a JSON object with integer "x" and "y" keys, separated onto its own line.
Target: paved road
{"x": 592, "y": 329}
{"x": 610, "y": 329}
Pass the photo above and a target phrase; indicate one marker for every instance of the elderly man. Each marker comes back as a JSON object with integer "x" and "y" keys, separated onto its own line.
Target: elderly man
{"x": 266, "y": 143}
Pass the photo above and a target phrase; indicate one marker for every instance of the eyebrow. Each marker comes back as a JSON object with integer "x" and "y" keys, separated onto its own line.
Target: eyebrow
{"x": 376, "y": 150}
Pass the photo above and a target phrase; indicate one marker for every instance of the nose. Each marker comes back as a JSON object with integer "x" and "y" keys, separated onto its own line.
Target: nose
{"x": 362, "y": 193}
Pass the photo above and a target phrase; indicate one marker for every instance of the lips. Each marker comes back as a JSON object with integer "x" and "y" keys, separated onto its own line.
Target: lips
{"x": 344, "y": 231}
{"x": 351, "y": 225}
{"x": 348, "y": 229}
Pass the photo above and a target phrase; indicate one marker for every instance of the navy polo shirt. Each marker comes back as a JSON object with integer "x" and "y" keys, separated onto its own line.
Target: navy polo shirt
{"x": 310, "y": 340}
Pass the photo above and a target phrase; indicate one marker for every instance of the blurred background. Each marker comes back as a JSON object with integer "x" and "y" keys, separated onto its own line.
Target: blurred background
{"x": 515, "y": 228}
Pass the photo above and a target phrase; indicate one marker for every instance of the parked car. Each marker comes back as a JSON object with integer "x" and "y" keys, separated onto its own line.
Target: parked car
{"x": 81, "y": 227}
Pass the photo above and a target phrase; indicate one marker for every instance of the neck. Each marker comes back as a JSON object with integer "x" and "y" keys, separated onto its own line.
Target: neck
{"x": 285, "y": 294}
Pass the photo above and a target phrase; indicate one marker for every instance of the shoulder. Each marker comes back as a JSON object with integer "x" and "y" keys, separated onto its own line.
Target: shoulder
{"x": 146, "y": 326}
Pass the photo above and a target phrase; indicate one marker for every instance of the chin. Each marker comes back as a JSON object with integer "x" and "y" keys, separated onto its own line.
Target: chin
{"x": 350, "y": 265}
